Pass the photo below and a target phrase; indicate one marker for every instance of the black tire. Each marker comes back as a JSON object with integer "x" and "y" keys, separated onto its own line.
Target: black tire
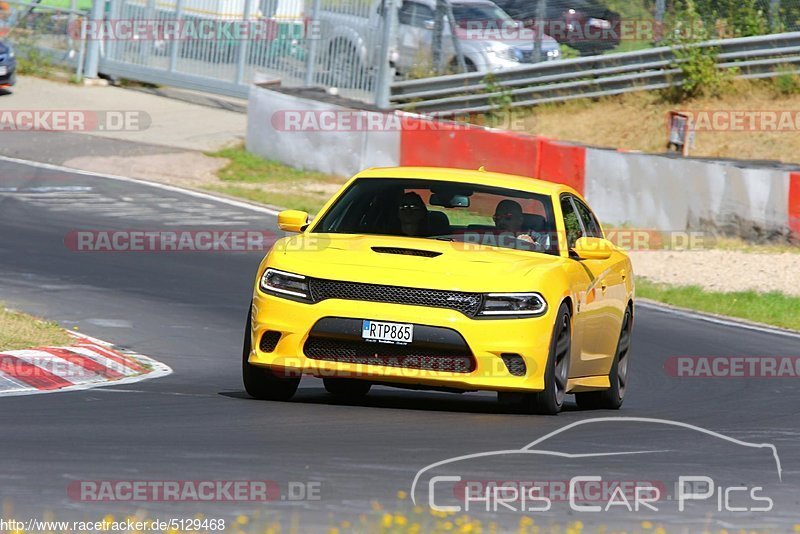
{"x": 550, "y": 400}
{"x": 347, "y": 387}
{"x": 261, "y": 382}
{"x": 613, "y": 397}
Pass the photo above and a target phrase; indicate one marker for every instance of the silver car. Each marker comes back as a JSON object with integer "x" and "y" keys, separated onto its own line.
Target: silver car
{"x": 488, "y": 37}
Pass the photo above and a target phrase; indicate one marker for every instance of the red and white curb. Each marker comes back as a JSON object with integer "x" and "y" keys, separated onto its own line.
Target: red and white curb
{"x": 89, "y": 363}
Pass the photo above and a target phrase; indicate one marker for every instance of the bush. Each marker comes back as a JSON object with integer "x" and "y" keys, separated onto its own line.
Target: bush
{"x": 697, "y": 64}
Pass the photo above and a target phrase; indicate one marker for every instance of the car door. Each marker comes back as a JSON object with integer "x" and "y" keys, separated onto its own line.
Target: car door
{"x": 415, "y": 34}
{"x": 593, "y": 310}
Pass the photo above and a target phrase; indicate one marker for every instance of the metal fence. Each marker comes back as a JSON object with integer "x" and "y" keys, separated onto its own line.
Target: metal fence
{"x": 657, "y": 68}
{"x": 225, "y": 45}
{"x": 44, "y": 35}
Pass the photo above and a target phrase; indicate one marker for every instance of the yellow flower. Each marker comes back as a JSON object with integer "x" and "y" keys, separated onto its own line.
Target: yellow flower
{"x": 525, "y": 521}
{"x": 647, "y": 525}
{"x": 242, "y": 520}
{"x": 447, "y": 525}
{"x": 402, "y": 495}
{"x": 333, "y": 530}
{"x": 387, "y": 520}
{"x": 400, "y": 519}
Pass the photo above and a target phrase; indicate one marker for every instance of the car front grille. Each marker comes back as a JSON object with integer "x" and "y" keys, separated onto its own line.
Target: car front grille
{"x": 466, "y": 303}
{"x": 403, "y": 356}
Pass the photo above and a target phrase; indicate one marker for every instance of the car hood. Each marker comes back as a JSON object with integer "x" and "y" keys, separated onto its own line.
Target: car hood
{"x": 456, "y": 266}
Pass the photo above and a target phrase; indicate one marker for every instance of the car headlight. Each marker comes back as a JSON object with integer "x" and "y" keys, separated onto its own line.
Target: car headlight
{"x": 532, "y": 304}
{"x": 10, "y": 50}
{"x": 503, "y": 52}
{"x": 285, "y": 284}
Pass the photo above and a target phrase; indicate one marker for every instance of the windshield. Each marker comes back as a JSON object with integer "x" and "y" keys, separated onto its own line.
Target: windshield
{"x": 431, "y": 209}
{"x": 466, "y": 13}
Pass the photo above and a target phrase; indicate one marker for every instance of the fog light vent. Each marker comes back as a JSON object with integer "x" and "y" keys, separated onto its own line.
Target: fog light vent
{"x": 269, "y": 341}
{"x": 514, "y": 363}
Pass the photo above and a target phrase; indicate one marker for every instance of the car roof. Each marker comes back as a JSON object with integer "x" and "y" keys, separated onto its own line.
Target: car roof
{"x": 480, "y": 177}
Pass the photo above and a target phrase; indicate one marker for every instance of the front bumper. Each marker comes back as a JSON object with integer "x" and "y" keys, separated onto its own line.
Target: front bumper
{"x": 486, "y": 341}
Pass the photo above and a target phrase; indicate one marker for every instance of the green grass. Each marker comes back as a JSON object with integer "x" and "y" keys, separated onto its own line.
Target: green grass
{"x": 21, "y": 331}
{"x": 773, "y": 308}
{"x": 67, "y": 4}
{"x": 256, "y": 179}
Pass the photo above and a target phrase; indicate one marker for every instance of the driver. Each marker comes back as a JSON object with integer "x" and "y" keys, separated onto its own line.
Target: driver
{"x": 412, "y": 213}
{"x": 508, "y": 218}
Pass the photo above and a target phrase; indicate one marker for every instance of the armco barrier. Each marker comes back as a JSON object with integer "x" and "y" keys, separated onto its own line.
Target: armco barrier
{"x": 642, "y": 190}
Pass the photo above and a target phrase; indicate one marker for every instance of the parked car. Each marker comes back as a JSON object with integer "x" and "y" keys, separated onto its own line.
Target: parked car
{"x": 352, "y": 48}
{"x": 588, "y": 26}
{"x": 489, "y": 38}
{"x": 8, "y": 65}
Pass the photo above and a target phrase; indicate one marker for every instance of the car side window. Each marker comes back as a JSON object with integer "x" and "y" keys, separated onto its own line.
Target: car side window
{"x": 571, "y": 222}
{"x": 415, "y": 14}
{"x": 589, "y": 220}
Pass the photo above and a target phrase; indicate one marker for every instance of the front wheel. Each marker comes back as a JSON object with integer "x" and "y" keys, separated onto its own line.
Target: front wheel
{"x": 611, "y": 398}
{"x": 261, "y": 382}
{"x": 550, "y": 400}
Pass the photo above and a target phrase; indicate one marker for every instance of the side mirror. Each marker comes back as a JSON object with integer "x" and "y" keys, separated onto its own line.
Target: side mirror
{"x": 292, "y": 220}
{"x": 593, "y": 248}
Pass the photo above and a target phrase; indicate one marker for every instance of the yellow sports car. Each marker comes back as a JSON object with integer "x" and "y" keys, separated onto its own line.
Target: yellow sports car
{"x": 433, "y": 278}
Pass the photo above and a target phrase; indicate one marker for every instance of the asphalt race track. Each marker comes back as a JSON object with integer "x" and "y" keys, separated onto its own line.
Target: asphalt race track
{"x": 187, "y": 310}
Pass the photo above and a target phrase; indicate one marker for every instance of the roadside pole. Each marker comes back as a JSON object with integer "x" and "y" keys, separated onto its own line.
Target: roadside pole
{"x": 385, "y": 72}
{"x": 93, "y": 46}
{"x": 312, "y": 40}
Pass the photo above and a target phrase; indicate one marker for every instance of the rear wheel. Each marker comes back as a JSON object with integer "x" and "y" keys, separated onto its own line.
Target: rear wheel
{"x": 611, "y": 398}
{"x": 261, "y": 382}
{"x": 550, "y": 400}
{"x": 346, "y": 387}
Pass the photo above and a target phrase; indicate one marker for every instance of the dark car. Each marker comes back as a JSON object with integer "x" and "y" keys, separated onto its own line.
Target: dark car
{"x": 8, "y": 65}
{"x": 586, "y": 25}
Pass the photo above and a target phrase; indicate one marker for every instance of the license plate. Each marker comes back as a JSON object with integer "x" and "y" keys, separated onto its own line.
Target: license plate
{"x": 3, "y": 70}
{"x": 397, "y": 333}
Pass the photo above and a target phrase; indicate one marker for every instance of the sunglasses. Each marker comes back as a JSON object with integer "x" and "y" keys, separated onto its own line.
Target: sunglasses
{"x": 406, "y": 207}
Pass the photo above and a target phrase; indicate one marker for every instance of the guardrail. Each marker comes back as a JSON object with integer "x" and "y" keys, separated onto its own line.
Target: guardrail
{"x": 558, "y": 81}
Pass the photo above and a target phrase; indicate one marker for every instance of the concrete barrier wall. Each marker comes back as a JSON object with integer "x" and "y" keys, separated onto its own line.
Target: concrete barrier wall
{"x": 319, "y": 145}
{"x": 665, "y": 193}
{"x": 642, "y": 190}
{"x": 794, "y": 203}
